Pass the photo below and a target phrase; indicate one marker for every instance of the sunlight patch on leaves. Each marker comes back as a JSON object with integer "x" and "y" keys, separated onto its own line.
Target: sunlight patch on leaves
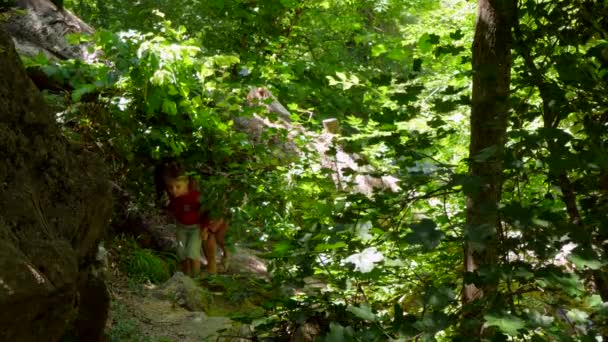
{"x": 365, "y": 261}
{"x": 540, "y": 319}
{"x": 379, "y": 49}
{"x": 578, "y": 316}
{"x": 347, "y": 81}
{"x": 508, "y": 324}
{"x": 362, "y": 230}
{"x": 364, "y": 311}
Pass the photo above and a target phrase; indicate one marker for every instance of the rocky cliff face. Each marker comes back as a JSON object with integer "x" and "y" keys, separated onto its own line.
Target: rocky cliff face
{"x": 42, "y": 28}
{"x": 54, "y": 209}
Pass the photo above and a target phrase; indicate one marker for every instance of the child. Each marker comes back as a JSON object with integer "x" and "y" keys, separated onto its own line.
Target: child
{"x": 213, "y": 232}
{"x": 184, "y": 206}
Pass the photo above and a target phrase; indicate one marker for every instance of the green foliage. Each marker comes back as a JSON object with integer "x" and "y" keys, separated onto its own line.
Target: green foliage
{"x": 397, "y": 75}
{"x": 145, "y": 264}
{"x": 142, "y": 264}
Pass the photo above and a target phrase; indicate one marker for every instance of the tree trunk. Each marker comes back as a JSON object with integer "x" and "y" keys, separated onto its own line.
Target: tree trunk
{"x": 55, "y": 206}
{"x": 489, "y": 112}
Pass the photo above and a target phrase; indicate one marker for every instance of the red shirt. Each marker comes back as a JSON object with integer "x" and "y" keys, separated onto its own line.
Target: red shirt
{"x": 186, "y": 208}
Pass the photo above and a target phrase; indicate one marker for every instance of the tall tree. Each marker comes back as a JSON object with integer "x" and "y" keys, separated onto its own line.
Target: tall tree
{"x": 489, "y": 112}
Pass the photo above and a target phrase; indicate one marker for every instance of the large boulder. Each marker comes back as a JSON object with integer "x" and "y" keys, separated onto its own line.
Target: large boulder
{"x": 42, "y": 28}
{"x": 54, "y": 209}
{"x": 184, "y": 291}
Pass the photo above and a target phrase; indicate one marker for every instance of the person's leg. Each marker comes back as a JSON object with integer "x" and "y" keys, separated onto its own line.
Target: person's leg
{"x": 219, "y": 237}
{"x": 188, "y": 263}
{"x": 210, "y": 247}
{"x": 194, "y": 250}
{"x": 183, "y": 266}
{"x": 196, "y": 267}
{"x": 206, "y": 249}
{"x": 181, "y": 239}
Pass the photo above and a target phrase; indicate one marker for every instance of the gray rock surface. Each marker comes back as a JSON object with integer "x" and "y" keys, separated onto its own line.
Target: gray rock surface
{"x": 54, "y": 209}
{"x": 184, "y": 292}
{"x": 43, "y": 29}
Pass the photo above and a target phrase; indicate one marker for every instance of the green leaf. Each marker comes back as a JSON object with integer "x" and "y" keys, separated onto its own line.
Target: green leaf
{"x": 569, "y": 70}
{"x": 172, "y": 90}
{"x": 332, "y": 80}
{"x": 364, "y": 312}
{"x": 154, "y": 100}
{"x": 508, "y": 324}
{"x": 398, "y": 54}
{"x": 594, "y": 301}
{"x": 523, "y": 273}
{"x": 338, "y": 333}
{"x": 205, "y": 71}
{"x": 75, "y": 38}
{"x": 379, "y": 49}
{"x": 582, "y": 262}
{"x": 539, "y": 319}
{"x": 439, "y": 298}
{"x": 169, "y": 107}
{"x": 570, "y": 283}
{"x": 105, "y": 37}
{"x": 425, "y": 233}
{"x": 85, "y": 89}
{"x": 281, "y": 249}
{"x": 289, "y": 3}
{"x": 457, "y": 35}
{"x": 426, "y": 42}
{"x": 226, "y": 61}
{"x": 432, "y": 323}
{"x": 39, "y": 59}
{"x": 578, "y": 316}
{"x": 330, "y": 246}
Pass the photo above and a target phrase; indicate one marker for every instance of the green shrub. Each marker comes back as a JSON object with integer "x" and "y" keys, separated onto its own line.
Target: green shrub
{"x": 146, "y": 265}
{"x": 138, "y": 263}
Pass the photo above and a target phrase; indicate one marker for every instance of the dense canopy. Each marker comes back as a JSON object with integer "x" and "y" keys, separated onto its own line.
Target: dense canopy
{"x": 489, "y": 119}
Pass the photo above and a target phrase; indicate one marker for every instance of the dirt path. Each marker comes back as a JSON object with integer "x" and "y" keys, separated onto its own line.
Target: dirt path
{"x": 183, "y": 309}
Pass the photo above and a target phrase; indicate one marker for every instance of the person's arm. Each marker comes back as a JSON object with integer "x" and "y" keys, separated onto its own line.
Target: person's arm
{"x": 204, "y": 226}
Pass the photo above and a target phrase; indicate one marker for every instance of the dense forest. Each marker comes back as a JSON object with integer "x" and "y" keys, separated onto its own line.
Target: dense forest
{"x": 429, "y": 170}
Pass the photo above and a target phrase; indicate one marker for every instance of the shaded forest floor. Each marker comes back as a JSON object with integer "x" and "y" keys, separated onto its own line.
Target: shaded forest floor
{"x": 185, "y": 309}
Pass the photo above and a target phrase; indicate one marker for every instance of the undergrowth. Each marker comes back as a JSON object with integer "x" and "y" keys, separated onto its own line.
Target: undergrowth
{"x": 140, "y": 264}
{"x": 124, "y": 327}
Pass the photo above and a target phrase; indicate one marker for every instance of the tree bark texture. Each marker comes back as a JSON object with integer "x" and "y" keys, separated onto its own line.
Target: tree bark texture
{"x": 491, "y": 80}
{"x": 55, "y": 205}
